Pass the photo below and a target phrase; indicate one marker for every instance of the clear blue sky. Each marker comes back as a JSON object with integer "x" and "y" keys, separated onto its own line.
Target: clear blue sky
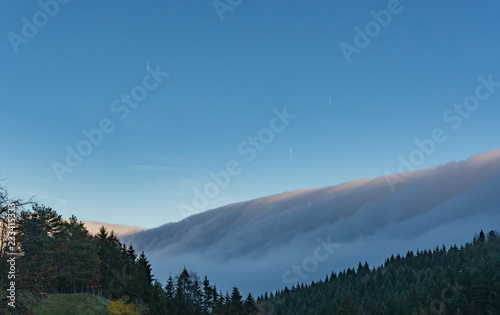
{"x": 225, "y": 78}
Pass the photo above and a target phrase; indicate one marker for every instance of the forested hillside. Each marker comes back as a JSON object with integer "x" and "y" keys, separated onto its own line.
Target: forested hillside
{"x": 458, "y": 280}
{"x": 53, "y": 255}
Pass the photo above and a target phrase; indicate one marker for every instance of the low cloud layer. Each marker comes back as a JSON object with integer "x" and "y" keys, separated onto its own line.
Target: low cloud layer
{"x": 256, "y": 244}
{"x": 118, "y": 229}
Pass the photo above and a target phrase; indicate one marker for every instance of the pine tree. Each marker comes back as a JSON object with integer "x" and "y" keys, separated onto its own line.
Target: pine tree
{"x": 236, "y": 304}
{"x": 249, "y": 306}
{"x": 39, "y": 232}
{"x": 207, "y": 303}
{"x": 170, "y": 294}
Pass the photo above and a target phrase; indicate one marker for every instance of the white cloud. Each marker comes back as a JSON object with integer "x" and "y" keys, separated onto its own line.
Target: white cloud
{"x": 262, "y": 238}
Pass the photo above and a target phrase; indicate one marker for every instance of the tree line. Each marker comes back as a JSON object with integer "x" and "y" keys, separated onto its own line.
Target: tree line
{"x": 458, "y": 280}
{"x": 61, "y": 256}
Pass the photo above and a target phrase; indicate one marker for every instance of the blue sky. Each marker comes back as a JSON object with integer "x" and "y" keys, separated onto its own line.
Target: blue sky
{"x": 225, "y": 79}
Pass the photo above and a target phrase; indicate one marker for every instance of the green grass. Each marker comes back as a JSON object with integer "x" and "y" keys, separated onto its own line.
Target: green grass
{"x": 68, "y": 304}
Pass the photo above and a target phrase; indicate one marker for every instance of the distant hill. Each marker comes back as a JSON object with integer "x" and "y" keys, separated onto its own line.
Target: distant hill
{"x": 120, "y": 230}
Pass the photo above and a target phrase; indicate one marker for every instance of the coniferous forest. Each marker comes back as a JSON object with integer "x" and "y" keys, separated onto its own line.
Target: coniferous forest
{"x": 60, "y": 256}
{"x": 458, "y": 280}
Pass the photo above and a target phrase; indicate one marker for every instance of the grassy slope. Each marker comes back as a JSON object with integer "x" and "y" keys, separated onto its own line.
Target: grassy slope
{"x": 63, "y": 304}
